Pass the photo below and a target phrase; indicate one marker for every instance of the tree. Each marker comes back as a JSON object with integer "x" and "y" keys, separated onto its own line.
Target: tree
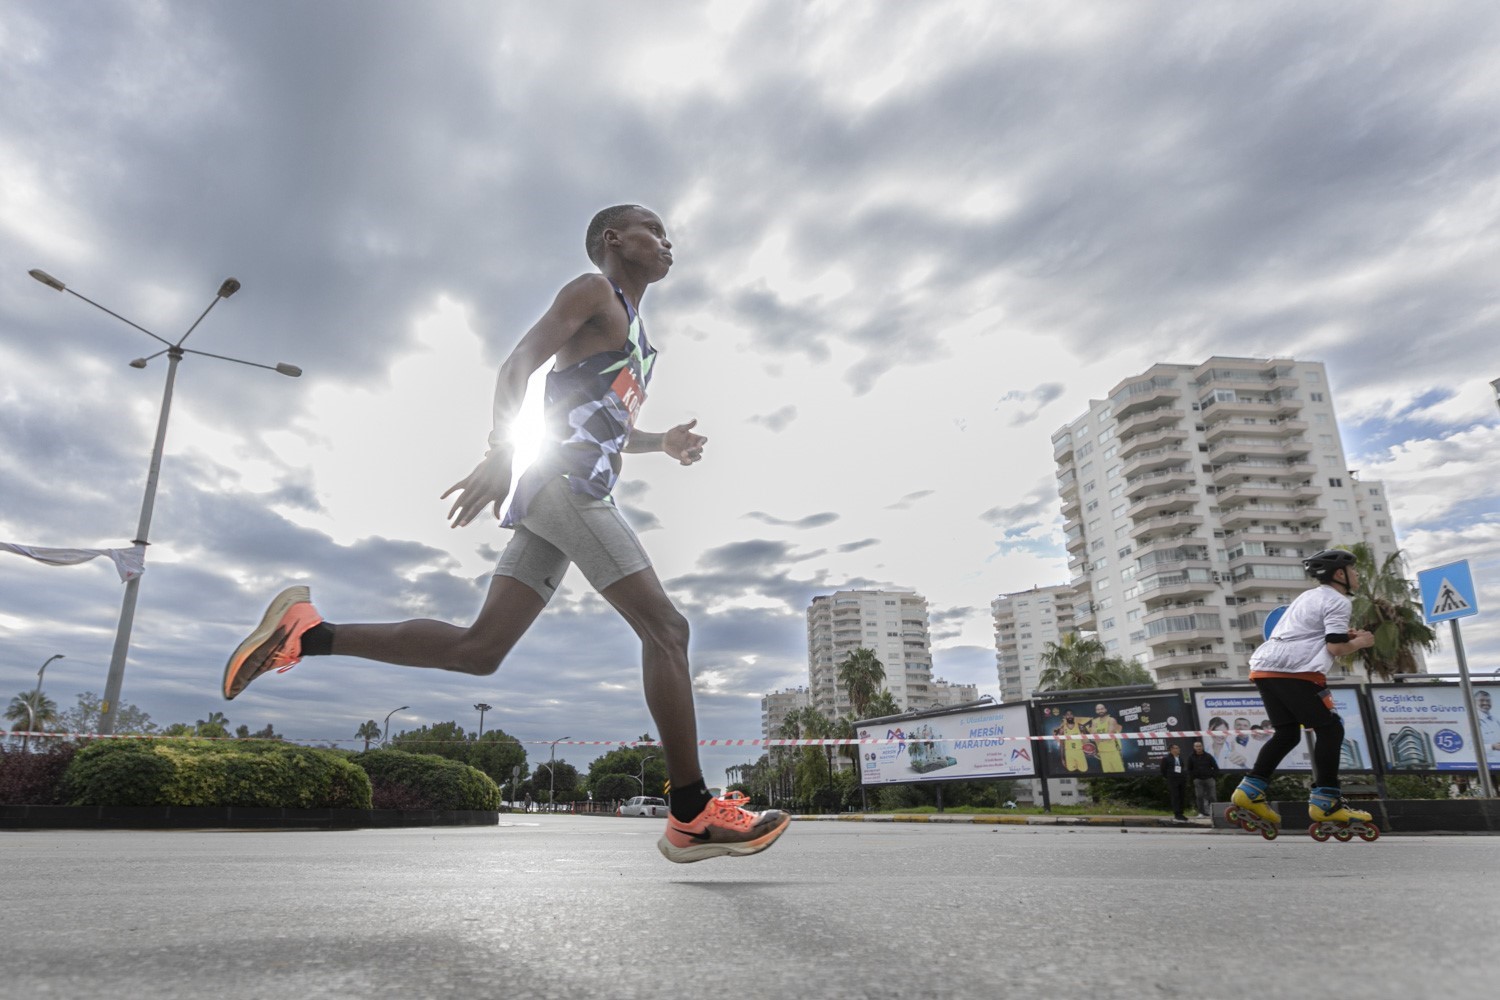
{"x": 861, "y": 674}
{"x": 626, "y": 762}
{"x": 1078, "y": 663}
{"x": 33, "y": 710}
{"x": 216, "y": 725}
{"x": 84, "y": 717}
{"x": 882, "y": 705}
{"x": 368, "y": 731}
{"x": 441, "y": 739}
{"x": 1390, "y": 606}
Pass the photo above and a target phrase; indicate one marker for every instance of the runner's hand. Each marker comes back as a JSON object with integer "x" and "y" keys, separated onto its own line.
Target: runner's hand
{"x": 682, "y": 444}
{"x": 488, "y": 484}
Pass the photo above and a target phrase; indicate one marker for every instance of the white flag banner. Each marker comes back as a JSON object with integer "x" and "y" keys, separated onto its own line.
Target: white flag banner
{"x": 129, "y": 563}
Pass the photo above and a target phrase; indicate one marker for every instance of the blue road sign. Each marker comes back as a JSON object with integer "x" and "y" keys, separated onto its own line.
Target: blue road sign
{"x": 1447, "y": 592}
{"x": 1272, "y": 619}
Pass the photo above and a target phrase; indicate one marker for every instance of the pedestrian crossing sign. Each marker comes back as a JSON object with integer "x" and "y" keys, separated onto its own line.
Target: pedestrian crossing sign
{"x": 1447, "y": 592}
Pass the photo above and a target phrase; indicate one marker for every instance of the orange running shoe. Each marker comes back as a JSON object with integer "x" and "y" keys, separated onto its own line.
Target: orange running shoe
{"x": 276, "y": 643}
{"x": 724, "y": 826}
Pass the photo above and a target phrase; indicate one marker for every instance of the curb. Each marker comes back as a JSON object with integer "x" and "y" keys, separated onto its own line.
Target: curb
{"x": 1151, "y": 822}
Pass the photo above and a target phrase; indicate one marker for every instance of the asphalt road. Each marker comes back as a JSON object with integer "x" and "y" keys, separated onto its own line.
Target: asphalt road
{"x": 566, "y": 907}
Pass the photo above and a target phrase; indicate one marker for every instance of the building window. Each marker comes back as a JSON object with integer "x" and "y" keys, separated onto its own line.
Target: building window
{"x": 1316, "y": 397}
{"x": 1335, "y": 481}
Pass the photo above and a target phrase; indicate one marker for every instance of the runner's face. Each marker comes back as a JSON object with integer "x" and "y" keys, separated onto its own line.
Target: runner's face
{"x": 644, "y": 243}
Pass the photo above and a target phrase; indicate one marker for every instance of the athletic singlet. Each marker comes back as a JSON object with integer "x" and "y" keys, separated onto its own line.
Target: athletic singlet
{"x": 589, "y": 410}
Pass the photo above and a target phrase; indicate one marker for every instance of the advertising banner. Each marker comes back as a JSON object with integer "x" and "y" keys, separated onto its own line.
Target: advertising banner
{"x": 1237, "y": 728}
{"x": 1154, "y": 712}
{"x": 1427, "y": 728}
{"x": 978, "y": 743}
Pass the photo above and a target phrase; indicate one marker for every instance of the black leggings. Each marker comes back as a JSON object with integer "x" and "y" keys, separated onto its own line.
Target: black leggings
{"x": 1292, "y": 703}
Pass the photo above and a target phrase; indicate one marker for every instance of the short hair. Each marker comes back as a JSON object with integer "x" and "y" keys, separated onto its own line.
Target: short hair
{"x": 608, "y": 218}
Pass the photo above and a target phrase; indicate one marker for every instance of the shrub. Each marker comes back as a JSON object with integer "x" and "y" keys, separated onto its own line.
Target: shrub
{"x": 32, "y": 779}
{"x": 423, "y": 781}
{"x": 248, "y": 773}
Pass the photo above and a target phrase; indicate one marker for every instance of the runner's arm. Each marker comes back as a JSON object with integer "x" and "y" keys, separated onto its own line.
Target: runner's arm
{"x": 580, "y": 300}
{"x": 680, "y": 443}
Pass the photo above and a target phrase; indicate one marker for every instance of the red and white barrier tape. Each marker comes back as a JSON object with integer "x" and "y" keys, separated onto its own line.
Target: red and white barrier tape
{"x": 867, "y": 741}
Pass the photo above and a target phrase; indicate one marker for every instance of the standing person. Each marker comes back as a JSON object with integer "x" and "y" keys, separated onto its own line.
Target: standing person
{"x": 1203, "y": 772}
{"x": 1173, "y": 769}
{"x": 1290, "y": 670}
{"x": 1109, "y": 751}
{"x": 562, "y": 513}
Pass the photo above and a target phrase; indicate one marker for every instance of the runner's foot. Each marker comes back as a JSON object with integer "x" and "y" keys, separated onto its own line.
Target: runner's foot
{"x": 723, "y": 827}
{"x": 276, "y": 643}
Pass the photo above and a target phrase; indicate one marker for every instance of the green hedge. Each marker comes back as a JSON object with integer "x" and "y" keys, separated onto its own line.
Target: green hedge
{"x": 423, "y": 781}
{"x": 248, "y": 773}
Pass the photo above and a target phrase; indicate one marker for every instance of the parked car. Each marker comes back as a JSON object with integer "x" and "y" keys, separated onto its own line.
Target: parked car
{"x": 644, "y": 805}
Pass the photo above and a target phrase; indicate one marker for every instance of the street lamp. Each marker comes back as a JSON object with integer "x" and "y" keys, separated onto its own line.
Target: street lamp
{"x": 642, "y": 778}
{"x": 481, "y": 708}
{"x": 174, "y": 353}
{"x": 552, "y": 775}
{"x": 387, "y": 737}
{"x": 31, "y": 706}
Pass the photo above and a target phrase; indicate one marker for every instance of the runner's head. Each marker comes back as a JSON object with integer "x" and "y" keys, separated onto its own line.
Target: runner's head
{"x": 1333, "y": 566}
{"x": 635, "y": 233}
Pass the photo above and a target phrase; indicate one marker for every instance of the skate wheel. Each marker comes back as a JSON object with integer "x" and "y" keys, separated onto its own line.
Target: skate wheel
{"x": 1343, "y": 835}
{"x": 1269, "y": 832}
{"x": 1369, "y": 834}
{"x": 1232, "y": 815}
{"x": 1316, "y": 832}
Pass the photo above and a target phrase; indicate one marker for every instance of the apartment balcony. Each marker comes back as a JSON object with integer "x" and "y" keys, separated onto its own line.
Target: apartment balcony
{"x": 1273, "y": 492}
{"x": 1147, "y": 440}
{"x": 1240, "y": 467}
{"x": 1076, "y": 543}
{"x": 1215, "y": 411}
{"x": 1062, "y": 451}
{"x": 1148, "y": 400}
{"x": 1071, "y": 507}
{"x": 1179, "y": 585}
{"x": 1085, "y": 618}
{"x": 1067, "y": 486}
{"x": 1164, "y": 524}
{"x": 1168, "y": 666}
{"x": 1167, "y": 543}
{"x": 1157, "y": 482}
{"x": 1248, "y": 515}
{"x": 1151, "y": 420}
{"x": 1156, "y": 458}
{"x": 1230, "y": 448}
{"x": 1280, "y": 430}
{"x": 1175, "y": 501}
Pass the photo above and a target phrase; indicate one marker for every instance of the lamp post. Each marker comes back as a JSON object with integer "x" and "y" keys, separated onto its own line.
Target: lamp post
{"x": 481, "y": 708}
{"x": 642, "y": 778}
{"x": 552, "y": 775}
{"x": 175, "y": 353}
{"x": 387, "y": 737}
{"x": 31, "y": 706}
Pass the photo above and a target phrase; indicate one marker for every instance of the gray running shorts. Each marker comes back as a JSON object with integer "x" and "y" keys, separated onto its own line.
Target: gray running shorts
{"x": 563, "y": 527}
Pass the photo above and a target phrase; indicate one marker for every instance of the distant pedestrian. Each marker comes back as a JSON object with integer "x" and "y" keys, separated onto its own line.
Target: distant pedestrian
{"x": 1203, "y": 772}
{"x": 1173, "y": 770}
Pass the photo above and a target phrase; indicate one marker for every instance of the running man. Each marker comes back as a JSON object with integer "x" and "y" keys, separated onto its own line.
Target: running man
{"x": 562, "y": 513}
{"x": 1290, "y": 670}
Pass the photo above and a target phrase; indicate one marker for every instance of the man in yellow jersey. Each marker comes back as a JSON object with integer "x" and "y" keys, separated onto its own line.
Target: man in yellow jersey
{"x": 1074, "y": 758}
{"x": 1105, "y": 725}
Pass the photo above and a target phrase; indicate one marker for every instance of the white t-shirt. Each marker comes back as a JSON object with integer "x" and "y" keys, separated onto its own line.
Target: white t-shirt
{"x": 1299, "y": 643}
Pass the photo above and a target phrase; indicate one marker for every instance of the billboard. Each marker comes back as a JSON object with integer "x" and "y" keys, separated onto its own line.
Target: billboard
{"x": 1426, "y": 727}
{"x": 990, "y": 742}
{"x": 1235, "y": 720}
{"x": 1082, "y": 719}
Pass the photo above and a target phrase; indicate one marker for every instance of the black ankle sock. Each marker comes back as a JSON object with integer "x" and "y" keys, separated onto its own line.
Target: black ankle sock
{"x": 689, "y": 800}
{"x": 318, "y": 640}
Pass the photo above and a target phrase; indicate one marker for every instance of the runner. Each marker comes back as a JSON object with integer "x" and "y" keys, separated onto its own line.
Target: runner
{"x": 562, "y": 513}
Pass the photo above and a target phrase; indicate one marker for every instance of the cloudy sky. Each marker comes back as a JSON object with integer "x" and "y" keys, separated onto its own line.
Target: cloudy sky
{"x": 912, "y": 241}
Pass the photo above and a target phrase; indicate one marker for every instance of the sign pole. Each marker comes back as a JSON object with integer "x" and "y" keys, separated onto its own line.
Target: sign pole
{"x": 1481, "y": 752}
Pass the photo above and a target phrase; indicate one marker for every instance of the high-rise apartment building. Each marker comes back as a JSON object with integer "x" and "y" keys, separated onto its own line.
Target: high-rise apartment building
{"x": 1191, "y": 495}
{"x": 946, "y": 695}
{"x": 1024, "y": 623}
{"x": 892, "y": 623}
{"x": 776, "y": 706}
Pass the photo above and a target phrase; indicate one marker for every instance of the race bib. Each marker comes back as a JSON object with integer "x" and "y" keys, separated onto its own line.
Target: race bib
{"x": 628, "y": 389}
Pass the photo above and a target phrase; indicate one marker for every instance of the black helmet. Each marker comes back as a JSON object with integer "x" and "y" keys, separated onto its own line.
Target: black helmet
{"x": 1322, "y": 565}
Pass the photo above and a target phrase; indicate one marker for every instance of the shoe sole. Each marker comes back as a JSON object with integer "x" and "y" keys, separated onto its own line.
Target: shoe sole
{"x": 280, "y": 605}
{"x": 702, "y": 852}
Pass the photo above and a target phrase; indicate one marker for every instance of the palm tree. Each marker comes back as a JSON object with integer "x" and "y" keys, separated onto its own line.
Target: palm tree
{"x": 861, "y": 674}
{"x": 217, "y": 724}
{"x": 1077, "y": 663}
{"x": 883, "y": 704}
{"x": 1388, "y": 605}
{"x": 43, "y": 708}
{"x": 368, "y": 731}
